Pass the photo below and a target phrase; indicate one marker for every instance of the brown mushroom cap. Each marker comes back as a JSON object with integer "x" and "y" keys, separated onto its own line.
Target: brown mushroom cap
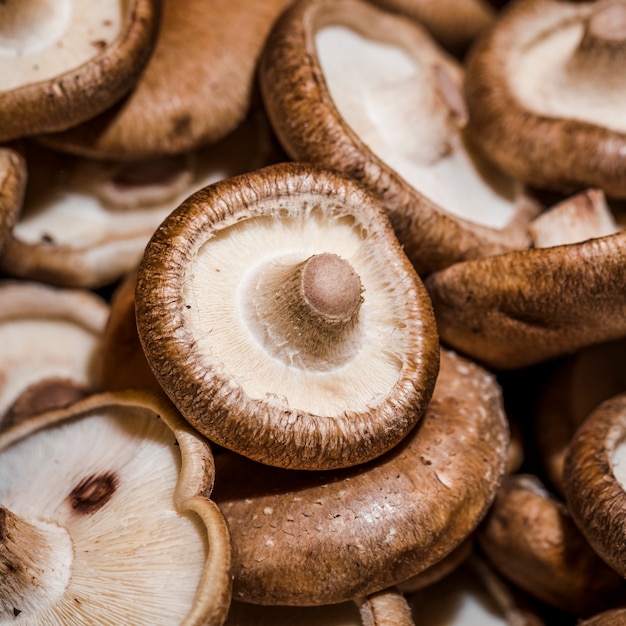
{"x": 68, "y": 63}
{"x": 107, "y": 503}
{"x": 594, "y": 483}
{"x": 51, "y": 341}
{"x": 12, "y": 186}
{"x": 531, "y": 539}
{"x": 368, "y": 92}
{"x": 544, "y": 85}
{"x": 525, "y": 307}
{"x": 315, "y": 538}
{"x": 226, "y": 322}
{"x": 196, "y": 88}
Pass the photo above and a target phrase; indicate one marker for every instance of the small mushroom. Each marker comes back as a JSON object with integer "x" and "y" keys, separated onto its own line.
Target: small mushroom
{"x": 279, "y": 312}
{"x": 594, "y": 482}
{"x": 530, "y": 538}
{"x": 304, "y": 538}
{"x": 12, "y": 187}
{"x": 63, "y": 62}
{"x": 51, "y": 341}
{"x": 196, "y": 89}
{"x": 544, "y": 86}
{"x": 105, "y": 517}
{"x": 369, "y": 93}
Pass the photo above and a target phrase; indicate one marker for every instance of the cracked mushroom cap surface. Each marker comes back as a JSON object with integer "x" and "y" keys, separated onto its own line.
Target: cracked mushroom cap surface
{"x": 368, "y": 92}
{"x": 51, "y": 342}
{"x": 106, "y": 518}
{"x": 594, "y": 480}
{"x": 280, "y": 314}
{"x": 304, "y": 538}
{"x": 63, "y": 62}
{"x": 545, "y": 86}
{"x": 206, "y": 55}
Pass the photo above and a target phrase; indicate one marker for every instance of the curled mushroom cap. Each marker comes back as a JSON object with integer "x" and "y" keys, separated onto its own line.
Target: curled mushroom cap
{"x": 528, "y": 306}
{"x": 106, "y": 518}
{"x": 322, "y": 537}
{"x": 368, "y": 92}
{"x": 196, "y": 88}
{"x": 12, "y": 186}
{"x": 594, "y": 481}
{"x": 544, "y": 87}
{"x": 63, "y": 62}
{"x": 531, "y": 539}
{"x": 280, "y": 314}
{"x": 51, "y": 342}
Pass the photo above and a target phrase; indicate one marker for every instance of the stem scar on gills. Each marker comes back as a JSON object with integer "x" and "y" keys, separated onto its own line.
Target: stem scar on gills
{"x": 93, "y": 492}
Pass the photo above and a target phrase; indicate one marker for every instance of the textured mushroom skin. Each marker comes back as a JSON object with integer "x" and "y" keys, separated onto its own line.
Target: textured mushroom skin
{"x": 525, "y": 307}
{"x": 277, "y": 434}
{"x": 310, "y": 129}
{"x": 594, "y": 496}
{"x": 318, "y": 538}
{"x": 12, "y": 188}
{"x": 555, "y": 153}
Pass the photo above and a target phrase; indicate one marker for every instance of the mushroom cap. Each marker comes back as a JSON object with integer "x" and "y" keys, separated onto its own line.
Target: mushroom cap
{"x": 206, "y": 55}
{"x": 594, "y": 484}
{"x": 613, "y": 617}
{"x": 85, "y": 223}
{"x": 324, "y": 537}
{"x": 524, "y": 307}
{"x": 531, "y": 539}
{"x": 544, "y": 85}
{"x": 369, "y": 93}
{"x": 12, "y": 186}
{"x": 247, "y": 360}
{"x": 127, "y": 511}
{"x": 69, "y": 63}
{"x": 51, "y": 340}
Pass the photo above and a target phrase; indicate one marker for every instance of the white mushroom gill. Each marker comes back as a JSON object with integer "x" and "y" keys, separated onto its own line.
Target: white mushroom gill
{"x": 40, "y": 39}
{"x": 109, "y": 480}
{"x": 550, "y": 77}
{"x": 618, "y": 461}
{"x": 36, "y": 349}
{"x": 217, "y": 289}
{"x": 395, "y": 104}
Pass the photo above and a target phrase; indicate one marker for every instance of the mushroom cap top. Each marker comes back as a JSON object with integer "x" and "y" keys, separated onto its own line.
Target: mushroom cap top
{"x": 196, "y": 88}
{"x": 531, "y": 539}
{"x": 66, "y": 63}
{"x": 50, "y": 340}
{"x": 130, "y": 497}
{"x": 594, "y": 481}
{"x": 12, "y": 186}
{"x": 368, "y": 92}
{"x": 324, "y": 537}
{"x": 544, "y": 86}
{"x": 524, "y": 307}
{"x": 237, "y": 345}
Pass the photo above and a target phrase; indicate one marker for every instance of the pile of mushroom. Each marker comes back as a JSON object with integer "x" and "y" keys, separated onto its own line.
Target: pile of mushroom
{"x": 312, "y": 312}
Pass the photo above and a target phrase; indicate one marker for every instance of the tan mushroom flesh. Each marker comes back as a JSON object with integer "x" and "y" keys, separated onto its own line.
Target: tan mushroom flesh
{"x": 280, "y": 314}
{"x": 544, "y": 88}
{"x": 196, "y": 88}
{"x": 304, "y": 538}
{"x": 12, "y": 187}
{"x": 51, "y": 341}
{"x": 62, "y": 62}
{"x": 106, "y": 518}
{"x": 368, "y": 92}
{"x": 85, "y": 223}
{"x": 532, "y": 540}
{"x": 594, "y": 481}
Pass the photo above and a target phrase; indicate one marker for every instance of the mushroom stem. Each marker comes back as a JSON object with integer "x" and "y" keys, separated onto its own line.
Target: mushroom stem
{"x": 35, "y": 563}
{"x": 385, "y": 607}
{"x": 307, "y": 312}
{"x": 601, "y": 54}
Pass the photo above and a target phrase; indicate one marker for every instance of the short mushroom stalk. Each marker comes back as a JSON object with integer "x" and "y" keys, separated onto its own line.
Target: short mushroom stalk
{"x": 602, "y": 50}
{"x": 307, "y": 312}
{"x": 35, "y": 562}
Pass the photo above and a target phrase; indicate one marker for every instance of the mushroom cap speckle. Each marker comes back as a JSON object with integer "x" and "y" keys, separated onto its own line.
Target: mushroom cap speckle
{"x": 245, "y": 357}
